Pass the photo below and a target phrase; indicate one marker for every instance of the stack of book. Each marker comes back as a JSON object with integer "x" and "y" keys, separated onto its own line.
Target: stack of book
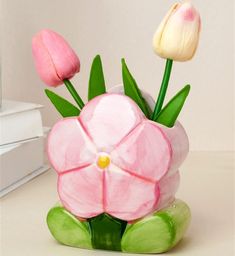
{"x": 21, "y": 144}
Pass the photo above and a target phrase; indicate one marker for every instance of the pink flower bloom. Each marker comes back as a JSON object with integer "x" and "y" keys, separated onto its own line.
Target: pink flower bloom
{"x": 54, "y": 59}
{"x": 112, "y": 159}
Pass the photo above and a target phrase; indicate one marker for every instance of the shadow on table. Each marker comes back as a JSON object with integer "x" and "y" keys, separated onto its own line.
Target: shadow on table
{"x": 184, "y": 244}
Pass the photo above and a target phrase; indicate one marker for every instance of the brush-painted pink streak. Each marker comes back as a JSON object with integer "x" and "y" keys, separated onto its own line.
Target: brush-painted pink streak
{"x": 54, "y": 59}
{"x": 69, "y": 147}
{"x": 142, "y": 176}
{"x": 109, "y": 118}
{"x": 168, "y": 186}
{"x": 146, "y": 151}
{"x": 129, "y": 197}
{"x": 179, "y": 145}
{"x": 81, "y": 191}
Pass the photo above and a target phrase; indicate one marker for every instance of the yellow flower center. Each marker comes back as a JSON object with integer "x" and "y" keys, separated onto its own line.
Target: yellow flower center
{"x": 103, "y": 161}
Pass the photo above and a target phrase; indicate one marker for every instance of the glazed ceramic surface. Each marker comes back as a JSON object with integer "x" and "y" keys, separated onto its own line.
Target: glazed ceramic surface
{"x": 117, "y": 157}
{"x": 117, "y": 178}
{"x": 111, "y": 159}
{"x": 156, "y": 233}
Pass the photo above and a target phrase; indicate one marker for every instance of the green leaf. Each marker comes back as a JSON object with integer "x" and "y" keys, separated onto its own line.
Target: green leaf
{"x": 96, "y": 81}
{"x": 68, "y": 229}
{"x": 158, "y": 232}
{"x": 171, "y": 111}
{"x": 64, "y": 107}
{"x": 106, "y": 232}
{"x": 131, "y": 89}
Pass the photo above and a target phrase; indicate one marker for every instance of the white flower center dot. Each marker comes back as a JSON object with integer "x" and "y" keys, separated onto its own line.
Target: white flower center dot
{"x": 103, "y": 161}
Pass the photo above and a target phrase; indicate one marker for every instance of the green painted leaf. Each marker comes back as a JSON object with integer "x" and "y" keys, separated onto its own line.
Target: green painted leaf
{"x": 96, "y": 81}
{"x": 131, "y": 89}
{"x": 68, "y": 229}
{"x": 106, "y": 232}
{"x": 171, "y": 111}
{"x": 64, "y": 107}
{"x": 158, "y": 232}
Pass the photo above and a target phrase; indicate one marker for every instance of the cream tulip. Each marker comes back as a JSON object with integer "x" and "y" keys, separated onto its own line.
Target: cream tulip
{"x": 178, "y": 34}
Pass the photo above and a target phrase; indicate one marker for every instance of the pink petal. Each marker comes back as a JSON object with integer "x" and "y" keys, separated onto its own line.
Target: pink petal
{"x": 109, "y": 118}
{"x": 64, "y": 58}
{"x": 128, "y": 197}
{"x": 81, "y": 191}
{"x": 145, "y": 152}
{"x": 119, "y": 89}
{"x": 44, "y": 63}
{"x": 187, "y": 12}
{"x": 179, "y": 144}
{"x": 168, "y": 187}
{"x": 69, "y": 147}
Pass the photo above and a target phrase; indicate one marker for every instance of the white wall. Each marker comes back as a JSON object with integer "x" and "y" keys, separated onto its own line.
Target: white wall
{"x": 124, "y": 28}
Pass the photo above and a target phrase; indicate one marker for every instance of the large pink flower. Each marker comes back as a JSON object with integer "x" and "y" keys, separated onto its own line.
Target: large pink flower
{"x": 112, "y": 159}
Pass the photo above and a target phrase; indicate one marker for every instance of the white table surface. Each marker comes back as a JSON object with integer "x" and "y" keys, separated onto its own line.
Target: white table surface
{"x": 207, "y": 185}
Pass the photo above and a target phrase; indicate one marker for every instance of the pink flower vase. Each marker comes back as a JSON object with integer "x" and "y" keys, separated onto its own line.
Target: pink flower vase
{"x": 117, "y": 178}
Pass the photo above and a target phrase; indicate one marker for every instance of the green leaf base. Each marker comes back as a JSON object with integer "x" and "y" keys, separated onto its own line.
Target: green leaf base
{"x": 67, "y": 229}
{"x": 156, "y": 233}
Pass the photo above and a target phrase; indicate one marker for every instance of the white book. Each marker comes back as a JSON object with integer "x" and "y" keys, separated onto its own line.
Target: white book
{"x": 19, "y": 121}
{"x": 24, "y": 180}
{"x": 20, "y": 162}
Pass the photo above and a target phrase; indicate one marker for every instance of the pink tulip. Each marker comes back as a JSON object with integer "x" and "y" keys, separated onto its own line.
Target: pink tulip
{"x": 112, "y": 159}
{"x": 54, "y": 59}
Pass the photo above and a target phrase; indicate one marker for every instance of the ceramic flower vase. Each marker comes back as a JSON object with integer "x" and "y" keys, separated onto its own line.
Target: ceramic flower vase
{"x": 117, "y": 179}
{"x": 118, "y": 156}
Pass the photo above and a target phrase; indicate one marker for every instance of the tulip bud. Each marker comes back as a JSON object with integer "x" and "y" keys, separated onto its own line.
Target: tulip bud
{"x": 54, "y": 59}
{"x": 178, "y": 34}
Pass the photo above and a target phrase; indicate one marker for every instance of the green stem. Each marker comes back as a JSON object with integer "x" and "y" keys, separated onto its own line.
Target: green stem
{"x": 163, "y": 89}
{"x": 74, "y": 93}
